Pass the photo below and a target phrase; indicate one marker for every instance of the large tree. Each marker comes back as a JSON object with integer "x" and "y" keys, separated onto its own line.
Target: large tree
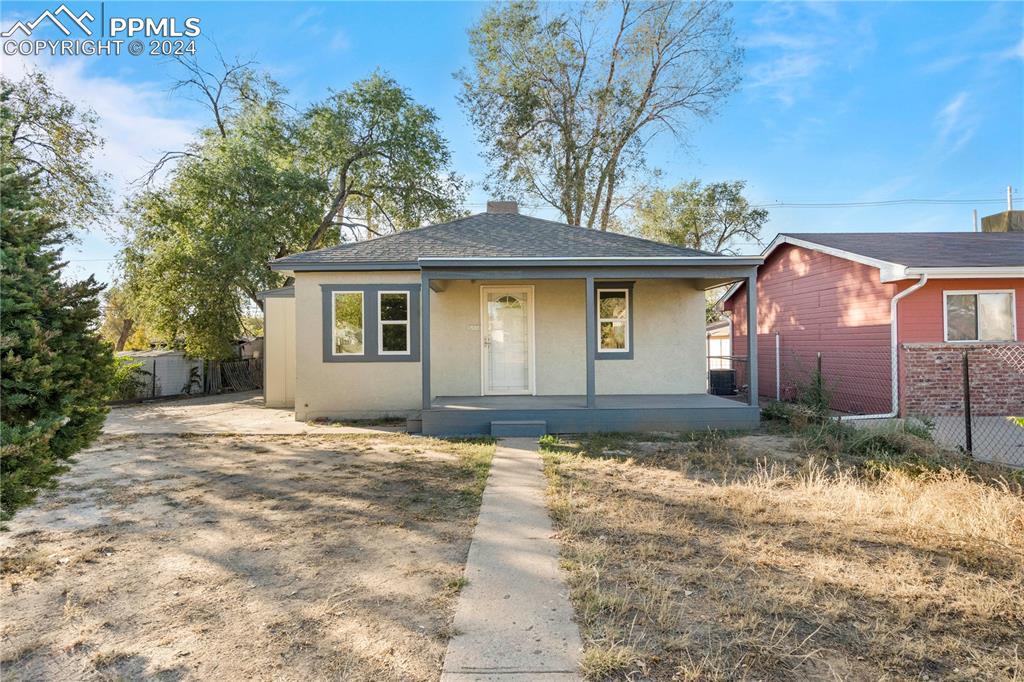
{"x": 566, "y": 97}
{"x": 198, "y": 247}
{"x": 45, "y": 133}
{"x": 383, "y": 160}
{"x": 262, "y": 182}
{"x": 56, "y": 369}
{"x": 712, "y": 217}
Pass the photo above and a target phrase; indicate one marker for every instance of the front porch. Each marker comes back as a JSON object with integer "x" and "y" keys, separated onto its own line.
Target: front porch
{"x": 532, "y": 415}
{"x": 519, "y": 348}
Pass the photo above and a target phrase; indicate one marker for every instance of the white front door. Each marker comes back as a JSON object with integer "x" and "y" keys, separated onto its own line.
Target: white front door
{"x": 507, "y": 331}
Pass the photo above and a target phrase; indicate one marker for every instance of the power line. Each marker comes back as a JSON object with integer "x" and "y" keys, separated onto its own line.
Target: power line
{"x": 823, "y": 204}
{"x": 890, "y": 202}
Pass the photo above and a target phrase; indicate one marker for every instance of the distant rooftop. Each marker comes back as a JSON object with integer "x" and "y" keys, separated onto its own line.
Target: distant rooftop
{"x": 926, "y": 249}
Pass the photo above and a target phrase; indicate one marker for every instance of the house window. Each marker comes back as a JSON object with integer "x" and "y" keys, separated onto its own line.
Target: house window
{"x": 371, "y": 322}
{"x": 348, "y": 334}
{"x": 613, "y": 320}
{"x": 393, "y": 322}
{"x": 980, "y": 316}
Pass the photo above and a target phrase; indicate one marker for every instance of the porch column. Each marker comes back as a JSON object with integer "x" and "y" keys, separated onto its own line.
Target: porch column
{"x": 591, "y": 342}
{"x": 752, "y": 336}
{"x": 425, "y": 337}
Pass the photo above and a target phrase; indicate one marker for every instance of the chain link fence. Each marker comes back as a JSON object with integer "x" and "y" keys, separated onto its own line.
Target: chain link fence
{"x": 855, "y": 380}
{"x": 975, "y": 400}
{"x": 972, "y": 396}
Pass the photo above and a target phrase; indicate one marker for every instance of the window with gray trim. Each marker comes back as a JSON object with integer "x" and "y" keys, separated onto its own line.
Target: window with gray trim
{"x": 393, "y": 322}
{"x": 347, "y": 330}
{"x": 371, "y": 322}
{"x": 614, "y": 320}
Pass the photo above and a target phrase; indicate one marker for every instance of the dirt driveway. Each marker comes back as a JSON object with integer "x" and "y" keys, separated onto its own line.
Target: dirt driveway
{"x": 227, "y": 413}
{"x": 286, "y": 557}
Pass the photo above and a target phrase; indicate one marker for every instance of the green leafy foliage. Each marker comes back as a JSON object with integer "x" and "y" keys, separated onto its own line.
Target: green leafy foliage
{"x": 383, "y": 160}
{"x": 128, "y": 378}
{"x": 816, "y": 395}
{"x": 199, "y": 248}
{"x": 46, "y": 134}
{"x": 264, "y": 183}
{"x": 56, "y": 369}
{"x": 707, "y": 217}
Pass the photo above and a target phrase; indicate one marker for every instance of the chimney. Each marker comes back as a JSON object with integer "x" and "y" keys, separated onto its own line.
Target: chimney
{"x": 502, "y": 207}
{"x": 1007, "y": 221}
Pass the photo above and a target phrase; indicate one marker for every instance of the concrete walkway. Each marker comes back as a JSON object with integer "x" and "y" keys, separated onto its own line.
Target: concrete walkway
{"x": 513, "y": 619}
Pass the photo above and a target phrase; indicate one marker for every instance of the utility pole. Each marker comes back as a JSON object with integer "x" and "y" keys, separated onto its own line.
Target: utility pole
{"x": 1009, "y": 197}
{"x": 975, "y": 220}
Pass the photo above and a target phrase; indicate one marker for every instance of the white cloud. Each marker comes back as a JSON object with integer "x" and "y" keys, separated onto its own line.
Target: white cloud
{"x": 136, "y": 119}
{"x": 956, "y": 123}
{"x": 1015, "y": 52}
{"x": 310, "y": 23}
{"x": 138, "y": 122}
{"x": 783, "y": 76}
{"x": 786, "y": 62}
{"x": 339, "y": 41}
{"x": 307, "y": 18}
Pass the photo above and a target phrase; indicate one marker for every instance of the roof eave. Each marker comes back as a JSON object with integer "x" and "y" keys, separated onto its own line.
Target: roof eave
{"x": 830, "y": 250}
{"x": 609, "y": 261}
{"x": 363, "y": 266}
{"x": 968, "y": 272}
{"x": 590, "y": 261}
{"x": 282, "y": 292}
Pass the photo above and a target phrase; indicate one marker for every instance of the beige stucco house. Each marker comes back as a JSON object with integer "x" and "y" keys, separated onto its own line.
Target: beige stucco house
{"x": 500, "y": 323}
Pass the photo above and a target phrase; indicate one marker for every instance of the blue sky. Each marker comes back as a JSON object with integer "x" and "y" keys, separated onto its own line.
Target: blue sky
{"x": 846, "y": 102}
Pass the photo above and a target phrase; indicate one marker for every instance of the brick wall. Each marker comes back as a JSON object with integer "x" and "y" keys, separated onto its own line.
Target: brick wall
{"x": 931, "y": 379}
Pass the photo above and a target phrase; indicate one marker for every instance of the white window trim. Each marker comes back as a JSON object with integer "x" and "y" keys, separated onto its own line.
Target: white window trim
{"x": 629, "y": 330}
{"x": 334, "y": 323}
{"x": 975, "y": 292}
{"x": 407, "y": 322}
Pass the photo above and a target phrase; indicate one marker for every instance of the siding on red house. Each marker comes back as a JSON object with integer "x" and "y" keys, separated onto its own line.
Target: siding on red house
{"x": 920, "y": 313}
{"x": 819, "y": 303}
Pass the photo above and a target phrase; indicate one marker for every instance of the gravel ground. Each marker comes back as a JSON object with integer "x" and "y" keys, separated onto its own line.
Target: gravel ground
{"x": 242, "y": 557}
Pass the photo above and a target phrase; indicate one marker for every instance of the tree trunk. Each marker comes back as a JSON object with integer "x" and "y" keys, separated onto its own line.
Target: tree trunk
{"x": 606, "y": 210}
{"x": 126, "y": 333}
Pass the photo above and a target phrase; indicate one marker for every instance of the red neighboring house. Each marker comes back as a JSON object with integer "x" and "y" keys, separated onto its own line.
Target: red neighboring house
{"x": 863, "y": 299}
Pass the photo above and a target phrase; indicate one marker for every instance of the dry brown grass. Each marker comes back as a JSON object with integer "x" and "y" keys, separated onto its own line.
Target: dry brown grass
{"x": 725, "y": 559}
{"x": 243, "y": 557}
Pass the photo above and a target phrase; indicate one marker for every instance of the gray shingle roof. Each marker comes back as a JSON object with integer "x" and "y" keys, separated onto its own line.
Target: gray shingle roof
{"x": 928, "y": 249}
{"x": 490, "y": 235}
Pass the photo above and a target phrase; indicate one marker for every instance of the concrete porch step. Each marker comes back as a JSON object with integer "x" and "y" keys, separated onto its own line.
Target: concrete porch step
{"x": 514, "y": 429}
